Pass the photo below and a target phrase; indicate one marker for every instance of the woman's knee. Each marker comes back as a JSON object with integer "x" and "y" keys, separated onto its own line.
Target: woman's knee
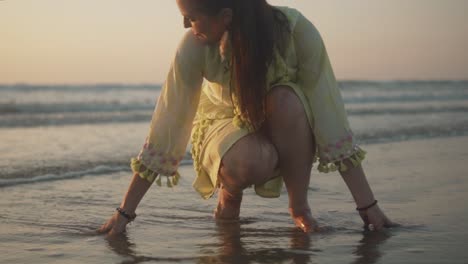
{"x": 288, "y": 124}
{"x": 251, "y": 160}
{"x": 283, "y": 101}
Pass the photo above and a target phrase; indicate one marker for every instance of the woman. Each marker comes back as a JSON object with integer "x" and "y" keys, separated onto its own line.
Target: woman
{"x": 256, "y": 83}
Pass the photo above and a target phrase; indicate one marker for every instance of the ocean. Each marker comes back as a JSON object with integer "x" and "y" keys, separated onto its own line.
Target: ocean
{"x": 64, "y": 166}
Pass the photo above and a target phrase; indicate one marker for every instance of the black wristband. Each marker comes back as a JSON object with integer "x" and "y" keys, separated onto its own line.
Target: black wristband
{"x": 366, "y": 207}
{"x": 125, "y": 214}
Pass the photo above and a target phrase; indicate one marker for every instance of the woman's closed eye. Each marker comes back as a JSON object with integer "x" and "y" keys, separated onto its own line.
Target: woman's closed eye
{"x": 188, "y": 21}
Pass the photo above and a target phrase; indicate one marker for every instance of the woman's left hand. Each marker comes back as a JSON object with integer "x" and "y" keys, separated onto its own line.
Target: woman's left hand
{"x": 374, "y": 219}
{"x": 114, "y": 226}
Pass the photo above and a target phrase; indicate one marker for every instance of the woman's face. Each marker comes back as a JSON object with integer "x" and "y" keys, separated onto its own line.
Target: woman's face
{"x": 207, "y": 29}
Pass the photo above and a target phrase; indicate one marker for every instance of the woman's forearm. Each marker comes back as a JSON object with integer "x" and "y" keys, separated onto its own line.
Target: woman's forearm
{"x": 357, "y": 183}
{"x": 135, "y": 193}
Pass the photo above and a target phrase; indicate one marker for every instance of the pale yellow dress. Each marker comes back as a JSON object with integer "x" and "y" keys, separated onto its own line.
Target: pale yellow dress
{"x": 195, "y": 103}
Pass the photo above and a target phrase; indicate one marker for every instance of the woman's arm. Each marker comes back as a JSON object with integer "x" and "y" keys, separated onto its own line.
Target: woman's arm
{"x": 136, "y": 191}
{"x": 170, "y": 129}
{"x": 357, "y": 184}
{"x": 117, "y": 223}
{"x": 356, "y": 181}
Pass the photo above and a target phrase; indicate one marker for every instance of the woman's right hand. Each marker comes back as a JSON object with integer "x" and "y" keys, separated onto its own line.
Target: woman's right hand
{"x": 115, "y": 225}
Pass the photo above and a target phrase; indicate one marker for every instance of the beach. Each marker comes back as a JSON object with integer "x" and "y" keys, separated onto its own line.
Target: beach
{"x": 420, "y": 184}
{"x": 90, "y": 89}
{"x": 64, "y": 168}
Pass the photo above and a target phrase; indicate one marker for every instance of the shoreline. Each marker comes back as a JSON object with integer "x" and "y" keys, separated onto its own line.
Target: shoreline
{"x": 59, "y": 172}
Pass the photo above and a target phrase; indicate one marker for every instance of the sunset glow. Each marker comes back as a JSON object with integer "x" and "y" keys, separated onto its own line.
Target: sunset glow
{"x": 53, "y": 41}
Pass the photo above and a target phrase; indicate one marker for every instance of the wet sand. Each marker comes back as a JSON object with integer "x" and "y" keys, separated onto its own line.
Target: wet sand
{"x": 421, "y": 184}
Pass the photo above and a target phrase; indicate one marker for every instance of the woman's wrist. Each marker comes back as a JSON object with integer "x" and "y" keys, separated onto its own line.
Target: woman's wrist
{"x": 135, "y": 193}
{"x": 130, "y": 216}
{"x": 128, "y": 209}
{"x": 364, "y": 208}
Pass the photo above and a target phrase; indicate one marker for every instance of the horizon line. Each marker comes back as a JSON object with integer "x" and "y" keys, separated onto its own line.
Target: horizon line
{"x": 160, "y": 84}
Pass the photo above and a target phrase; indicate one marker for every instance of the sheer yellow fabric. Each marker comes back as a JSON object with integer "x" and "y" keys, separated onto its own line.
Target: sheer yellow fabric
{"x": 197, "y": 94}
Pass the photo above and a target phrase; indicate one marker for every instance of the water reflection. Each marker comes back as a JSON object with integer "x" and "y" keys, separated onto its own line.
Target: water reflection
{"x": 368, "y": 249}
{"x": 300, "y": 251}
{"x": 121, "y": 245}
{"x": 231, "y": 249}
{"x": 301, "y": 243}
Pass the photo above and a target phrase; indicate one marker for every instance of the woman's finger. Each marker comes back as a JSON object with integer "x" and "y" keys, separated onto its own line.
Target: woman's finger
{"x": 111, "y": 233}
{"x": 379, "y": 226}
{"x": 102, "y": 230}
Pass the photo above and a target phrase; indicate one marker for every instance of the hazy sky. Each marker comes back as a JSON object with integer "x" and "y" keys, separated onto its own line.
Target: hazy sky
{"x": 109, "y": 41}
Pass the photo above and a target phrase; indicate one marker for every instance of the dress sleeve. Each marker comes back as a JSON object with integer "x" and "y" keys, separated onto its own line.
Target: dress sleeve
{"x": 334, "y": 138}
{"x": 172, "y": 119}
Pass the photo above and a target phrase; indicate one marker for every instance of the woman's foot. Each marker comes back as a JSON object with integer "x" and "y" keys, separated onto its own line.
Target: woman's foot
{"x": 228, "y": 205}
{"x": 303, "y": 219}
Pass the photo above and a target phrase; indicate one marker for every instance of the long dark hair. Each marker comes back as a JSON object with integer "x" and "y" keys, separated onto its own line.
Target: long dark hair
{"x": 256, "y": 28}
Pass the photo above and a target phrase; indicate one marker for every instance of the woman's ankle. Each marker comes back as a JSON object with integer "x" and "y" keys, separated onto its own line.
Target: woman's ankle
{"x": 299, "y": 208}
{"x": 303, "y": 219}
{"x": 228, "y": 204}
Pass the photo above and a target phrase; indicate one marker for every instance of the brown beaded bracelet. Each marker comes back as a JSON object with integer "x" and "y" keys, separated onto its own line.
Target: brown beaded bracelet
{"x": 126, "y": 215}
{"x": 366, "y": 207}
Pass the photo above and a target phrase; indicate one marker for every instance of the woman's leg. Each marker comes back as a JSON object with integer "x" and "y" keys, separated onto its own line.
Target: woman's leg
{"x": 251, "y": 160}
{"x": 290, "y": 132}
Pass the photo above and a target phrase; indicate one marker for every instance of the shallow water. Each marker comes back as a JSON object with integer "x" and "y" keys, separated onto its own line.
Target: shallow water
{"x": 56, "y": 132}
{"x": 64, "y": 167}
{"x": 54, "y": 221}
